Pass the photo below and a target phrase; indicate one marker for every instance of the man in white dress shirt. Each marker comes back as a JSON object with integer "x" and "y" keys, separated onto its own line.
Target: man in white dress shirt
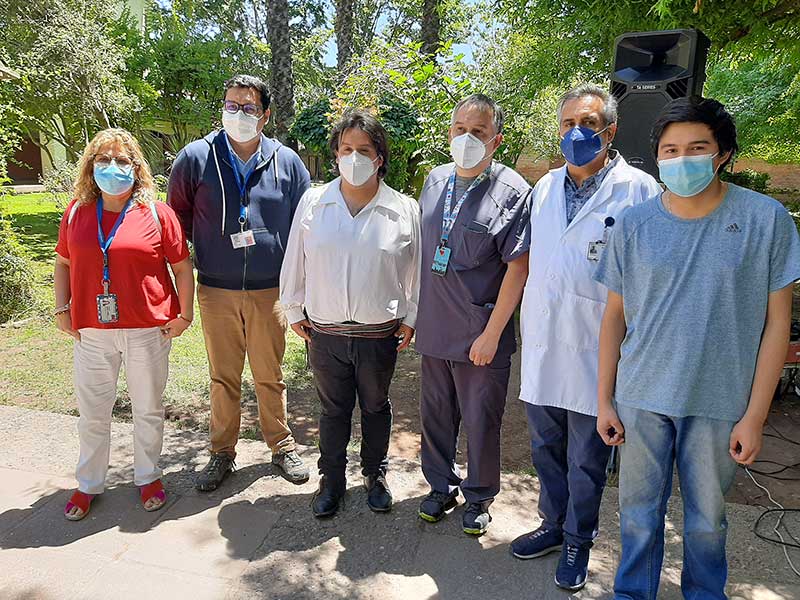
{"x": 350, "y": 288}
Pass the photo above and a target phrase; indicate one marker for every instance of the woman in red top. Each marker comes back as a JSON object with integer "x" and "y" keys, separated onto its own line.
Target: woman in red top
{"x": 114, "y": 295}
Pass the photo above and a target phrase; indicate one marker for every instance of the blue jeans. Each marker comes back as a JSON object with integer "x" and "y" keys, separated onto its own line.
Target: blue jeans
{"x": 570, "y": 460}
{"x": 699, "y": 447}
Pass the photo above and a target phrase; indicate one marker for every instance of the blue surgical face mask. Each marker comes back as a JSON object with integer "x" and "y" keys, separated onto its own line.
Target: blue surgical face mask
{"x": 687, "y": 176}
{"x": 581, "y": 145}
{"x": 113, "y": 180}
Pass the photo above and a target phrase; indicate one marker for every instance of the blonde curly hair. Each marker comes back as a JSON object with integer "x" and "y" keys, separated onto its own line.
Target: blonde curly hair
{"x": 144, "y": 187}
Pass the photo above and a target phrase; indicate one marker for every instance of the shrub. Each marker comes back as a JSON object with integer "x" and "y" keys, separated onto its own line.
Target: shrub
{"x": 16, "y": 278}
{"x": 748, "y": 178}
{"x": 58, "y": 183}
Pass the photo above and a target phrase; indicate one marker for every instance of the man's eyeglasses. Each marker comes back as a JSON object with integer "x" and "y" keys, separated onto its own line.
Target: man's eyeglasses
{"x": 124, "y": 163}
{"x": 251, "y": 110}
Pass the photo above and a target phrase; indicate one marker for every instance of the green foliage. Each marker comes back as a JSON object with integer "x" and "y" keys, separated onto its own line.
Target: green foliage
{"x": 59, "y": 183}
{"x": 71, "y": 59}
{"x": 16, "y": 280}
{"x": 748, "y": 178}
{"x": 754, "y": 61}
{"x": 764, "y": 96}
{"x": 311, "y": 126}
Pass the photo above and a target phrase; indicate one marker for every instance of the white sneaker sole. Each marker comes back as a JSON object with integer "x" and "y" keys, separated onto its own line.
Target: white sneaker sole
{"x": 544, "y": 552}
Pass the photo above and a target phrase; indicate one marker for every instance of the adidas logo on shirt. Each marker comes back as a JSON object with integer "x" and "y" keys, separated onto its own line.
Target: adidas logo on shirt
{"x": 733, "y": 228}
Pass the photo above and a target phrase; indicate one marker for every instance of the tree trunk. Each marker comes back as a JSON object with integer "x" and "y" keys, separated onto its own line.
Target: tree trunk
{"x": 430, "y": 27}
{"x": 281, "y": 76}
{"x": 343, "y": 25}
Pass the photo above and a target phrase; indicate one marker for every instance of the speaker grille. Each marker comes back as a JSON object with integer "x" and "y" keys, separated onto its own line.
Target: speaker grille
{"x": 618, "y": 89}
{"x": 678, "y": 88}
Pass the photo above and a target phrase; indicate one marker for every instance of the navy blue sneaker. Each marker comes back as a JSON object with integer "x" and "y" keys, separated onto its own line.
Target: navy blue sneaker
{"x": 476, "y": 518}
{"x": 573, "y": 567}
{"x": 436, "y": 504}
{"x": 537, "y": 543}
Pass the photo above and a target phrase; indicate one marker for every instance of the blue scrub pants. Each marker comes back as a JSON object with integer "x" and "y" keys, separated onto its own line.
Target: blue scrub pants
{"x": 453, "y": 393}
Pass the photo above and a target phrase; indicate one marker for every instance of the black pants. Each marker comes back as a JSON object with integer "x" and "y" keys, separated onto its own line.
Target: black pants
{"x": 345, "y": 368}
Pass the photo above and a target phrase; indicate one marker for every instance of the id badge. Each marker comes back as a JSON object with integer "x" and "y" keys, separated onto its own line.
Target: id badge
{"x": 243, "y": 239}
{"x": 441, "y": 256}
{"x": 595, "y": 250}
{"x": 107, "y": 309}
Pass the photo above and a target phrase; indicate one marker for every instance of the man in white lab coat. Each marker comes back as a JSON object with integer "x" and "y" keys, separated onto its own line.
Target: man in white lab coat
{"x": 573, "y": 210}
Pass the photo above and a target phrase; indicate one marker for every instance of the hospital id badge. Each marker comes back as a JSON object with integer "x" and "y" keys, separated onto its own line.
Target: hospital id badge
{"x": 595, "y": 250}
{"x": 441, "y": 256}
{"x": 243, "y": 239}
{"x": 107, "y": 309}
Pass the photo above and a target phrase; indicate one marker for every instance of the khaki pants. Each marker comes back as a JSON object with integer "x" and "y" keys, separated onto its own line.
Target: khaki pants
{"x": 235, "y": 322}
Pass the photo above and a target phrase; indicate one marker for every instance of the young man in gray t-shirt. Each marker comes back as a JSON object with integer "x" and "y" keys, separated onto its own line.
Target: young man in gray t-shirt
{"x": 692, "y": 344}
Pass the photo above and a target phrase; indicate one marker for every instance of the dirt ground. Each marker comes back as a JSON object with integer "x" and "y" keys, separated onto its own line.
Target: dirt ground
{"x": 781, "y": 440}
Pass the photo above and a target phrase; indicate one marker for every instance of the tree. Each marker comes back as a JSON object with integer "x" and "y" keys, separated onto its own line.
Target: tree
{"x": 430, "y": 27}
{"x": 72, "y": 65}
{"x": 343, "y": 25}
{"x": 281, "y": 73}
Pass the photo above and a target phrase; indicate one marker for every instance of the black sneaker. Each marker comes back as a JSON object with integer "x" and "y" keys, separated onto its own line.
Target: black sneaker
{"x": 215, "y": 472}
{"x": 539, "y": 542}
{"x": 436, "y": 504}
{"x": 379, "y": 496}
{"x": 292, "y": 466}
{"x": 573, "y": 567}
{"x": 476, "y": 518}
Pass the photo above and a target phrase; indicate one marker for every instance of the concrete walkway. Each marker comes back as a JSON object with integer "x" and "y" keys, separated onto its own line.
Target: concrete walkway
{"x": 256, "y": 538}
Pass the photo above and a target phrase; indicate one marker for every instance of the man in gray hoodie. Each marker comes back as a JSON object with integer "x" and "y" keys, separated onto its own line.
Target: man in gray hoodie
{"x": 235, "y": 192}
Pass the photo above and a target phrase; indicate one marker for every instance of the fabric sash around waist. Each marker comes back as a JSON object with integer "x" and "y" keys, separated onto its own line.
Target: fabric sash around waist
{"x": 358, "y": 330}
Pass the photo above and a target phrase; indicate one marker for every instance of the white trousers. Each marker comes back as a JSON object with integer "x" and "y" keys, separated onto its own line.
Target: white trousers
{"x": 97, "y": 359}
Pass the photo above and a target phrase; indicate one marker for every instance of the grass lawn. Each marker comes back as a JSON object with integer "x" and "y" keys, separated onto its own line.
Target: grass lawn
{"x": 36, "y": 359}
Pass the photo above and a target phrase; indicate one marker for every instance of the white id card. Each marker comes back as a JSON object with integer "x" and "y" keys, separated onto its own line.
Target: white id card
{"x": 595, "y": 250}
{"x": 107, "y": 310}
{"x": 243, "y": 239}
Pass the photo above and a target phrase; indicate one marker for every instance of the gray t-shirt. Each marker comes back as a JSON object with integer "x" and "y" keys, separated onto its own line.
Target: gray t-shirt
{"x": 695, "y": 295}
{"x": 490, "y": 231}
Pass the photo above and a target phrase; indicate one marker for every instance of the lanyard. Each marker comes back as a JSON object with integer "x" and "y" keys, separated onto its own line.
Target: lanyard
{"x": 241, "y": 184}
{"x": 105, "y": 244}
{"x": 449, "y": 215}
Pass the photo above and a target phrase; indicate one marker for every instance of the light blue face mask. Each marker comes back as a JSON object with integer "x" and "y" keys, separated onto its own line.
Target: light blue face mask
{"x": 687, "y": 176}
{"x": 113, "y": 180}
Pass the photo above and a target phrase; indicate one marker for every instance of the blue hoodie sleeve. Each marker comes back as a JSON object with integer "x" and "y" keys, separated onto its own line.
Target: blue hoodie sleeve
{"x": 181, "y": 190}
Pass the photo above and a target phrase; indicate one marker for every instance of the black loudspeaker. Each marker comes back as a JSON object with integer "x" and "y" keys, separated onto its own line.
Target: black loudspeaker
{"x": 650, "y": 69}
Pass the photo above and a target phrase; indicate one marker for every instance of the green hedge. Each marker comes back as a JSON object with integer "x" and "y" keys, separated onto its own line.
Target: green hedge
{"x": 16, "y": 278}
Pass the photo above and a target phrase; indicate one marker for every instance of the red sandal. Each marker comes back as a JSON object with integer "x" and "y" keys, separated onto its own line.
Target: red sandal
{"x": 81, "y": 501}
{"x": 153, "y": 490}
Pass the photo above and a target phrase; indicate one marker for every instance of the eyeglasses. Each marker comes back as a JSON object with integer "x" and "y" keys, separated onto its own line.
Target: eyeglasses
{"x": 251, "y": 110}
{"x": 123, "y": 163}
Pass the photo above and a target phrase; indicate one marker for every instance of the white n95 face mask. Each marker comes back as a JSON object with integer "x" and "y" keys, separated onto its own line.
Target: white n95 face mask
{"x": 467, "y": 150}
{"x": 239, "y": 126}
{"x": 356, "y": 169}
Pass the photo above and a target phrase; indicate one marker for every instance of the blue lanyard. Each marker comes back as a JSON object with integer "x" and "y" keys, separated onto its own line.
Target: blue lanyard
{"x": 241, "y": 183}
{"x": 105, "y": 244}
{"x": 449, "y": 215}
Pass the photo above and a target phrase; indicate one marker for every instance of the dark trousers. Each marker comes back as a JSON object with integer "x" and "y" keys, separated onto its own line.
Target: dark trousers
{"x": 345, "y": 368}
{"x": 453, "y": 392}
{"x": 570, "y": 459}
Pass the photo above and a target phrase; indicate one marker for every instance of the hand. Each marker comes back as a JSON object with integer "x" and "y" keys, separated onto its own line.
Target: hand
{"x": 175, "y": 327}
{"x": 746, "y": 439}
{"x": 483, "y": 349}
{"x": 302, "y": 328}
{"x": 64, "y": 323}
{"x": 405, "y": 333}
{"x": 610, "y": 427}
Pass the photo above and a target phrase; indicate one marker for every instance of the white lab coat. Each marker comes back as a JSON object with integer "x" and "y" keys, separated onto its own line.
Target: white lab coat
{"x": 562, "y": 305}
